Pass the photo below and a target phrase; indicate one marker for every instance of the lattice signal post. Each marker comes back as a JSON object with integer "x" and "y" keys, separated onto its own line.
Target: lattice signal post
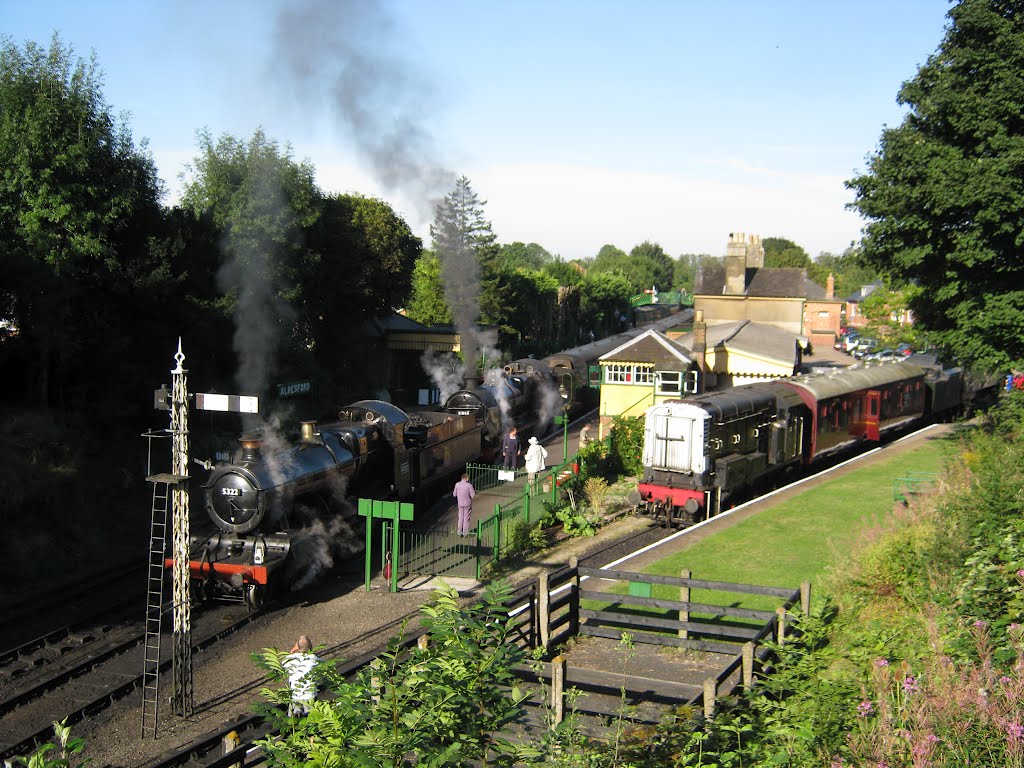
{"x": 182, "y": 696}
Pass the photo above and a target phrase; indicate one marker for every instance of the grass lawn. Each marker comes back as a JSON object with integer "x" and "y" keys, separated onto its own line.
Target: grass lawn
{"x": 797, "y": 539}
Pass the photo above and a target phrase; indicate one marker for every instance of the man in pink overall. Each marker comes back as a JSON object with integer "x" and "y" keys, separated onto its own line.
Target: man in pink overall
{"x": 464, "y": 493}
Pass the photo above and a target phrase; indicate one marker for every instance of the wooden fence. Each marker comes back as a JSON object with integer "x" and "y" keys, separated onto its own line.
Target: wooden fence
{"x": 549, "y": 611}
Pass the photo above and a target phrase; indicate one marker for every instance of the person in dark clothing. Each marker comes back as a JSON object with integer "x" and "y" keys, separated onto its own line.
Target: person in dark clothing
{"x": 510, "y": 449}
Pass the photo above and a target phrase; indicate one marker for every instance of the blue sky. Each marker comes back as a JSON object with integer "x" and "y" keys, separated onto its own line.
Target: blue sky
{"x": 580, "y": 123}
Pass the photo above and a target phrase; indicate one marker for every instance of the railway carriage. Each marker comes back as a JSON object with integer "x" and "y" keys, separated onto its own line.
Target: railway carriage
{"x": 703, "y": 452}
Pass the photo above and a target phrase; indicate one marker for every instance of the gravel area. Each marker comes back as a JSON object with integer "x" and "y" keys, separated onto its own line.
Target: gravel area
{"x": 227, "y": 683}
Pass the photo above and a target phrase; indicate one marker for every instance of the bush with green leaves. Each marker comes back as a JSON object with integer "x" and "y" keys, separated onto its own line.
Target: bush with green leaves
{"x": 67, "y": 747}
{"x": 446, "y": 704}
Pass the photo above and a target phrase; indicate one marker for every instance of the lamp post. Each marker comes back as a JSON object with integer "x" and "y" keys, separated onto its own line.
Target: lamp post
{"x": 565, "y": 392}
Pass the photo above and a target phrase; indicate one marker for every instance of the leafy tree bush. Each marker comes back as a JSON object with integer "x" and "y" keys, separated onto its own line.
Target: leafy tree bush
{"x": 441, "y": 705}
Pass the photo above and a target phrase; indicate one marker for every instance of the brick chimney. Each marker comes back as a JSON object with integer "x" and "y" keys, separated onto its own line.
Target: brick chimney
{"x": 830, "y": 287}
{"x": 700, "y": 346}
{"x": 736, "y": 265}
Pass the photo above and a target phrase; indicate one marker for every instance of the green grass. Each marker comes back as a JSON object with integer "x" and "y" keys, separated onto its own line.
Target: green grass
{"x": 798, "y": 539}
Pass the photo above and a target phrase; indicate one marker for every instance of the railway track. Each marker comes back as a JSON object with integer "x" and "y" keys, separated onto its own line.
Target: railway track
{"x": 75, "y": 673}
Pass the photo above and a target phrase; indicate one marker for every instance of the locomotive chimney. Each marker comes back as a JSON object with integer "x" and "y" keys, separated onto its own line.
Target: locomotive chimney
{"x": 470, "y": 381}
{"x": 308, "y": 432}
{"x": 252, "y": 444}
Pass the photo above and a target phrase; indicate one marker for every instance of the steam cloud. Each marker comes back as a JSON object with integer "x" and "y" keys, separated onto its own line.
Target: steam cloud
{"x": 338, "y": 51}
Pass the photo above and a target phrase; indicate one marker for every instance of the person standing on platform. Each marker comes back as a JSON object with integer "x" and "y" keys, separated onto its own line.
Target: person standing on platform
{"x": 535, "y": 457}
{"x": 585, "y": 437}
{"x": 464, "y": 493}
{"x": 510, "y": 449}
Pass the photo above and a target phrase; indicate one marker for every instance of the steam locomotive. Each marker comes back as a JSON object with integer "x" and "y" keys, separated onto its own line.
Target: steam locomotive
{"x": 528, "y": 393}
{"x": 703, "y": 452}
{"x": 282, "y": 509}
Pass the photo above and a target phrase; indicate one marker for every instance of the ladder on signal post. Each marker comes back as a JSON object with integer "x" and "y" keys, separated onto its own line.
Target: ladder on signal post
{"x": 163, "y": 485}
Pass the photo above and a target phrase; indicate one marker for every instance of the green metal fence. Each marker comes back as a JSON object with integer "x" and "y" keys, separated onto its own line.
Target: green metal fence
{"x": 911, "y": 484}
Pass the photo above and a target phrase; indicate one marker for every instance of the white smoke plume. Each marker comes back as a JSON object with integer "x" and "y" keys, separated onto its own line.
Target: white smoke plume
{"x": 319, "y": 547}
{"x": 445, "y": 371}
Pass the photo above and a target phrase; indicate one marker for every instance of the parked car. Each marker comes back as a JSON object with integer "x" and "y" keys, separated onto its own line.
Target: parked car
{"x": 865, "y": 347}
{"x": 882, "y": 356}
{"x": 848, "y": 341}
{"x": 904, "y": 350}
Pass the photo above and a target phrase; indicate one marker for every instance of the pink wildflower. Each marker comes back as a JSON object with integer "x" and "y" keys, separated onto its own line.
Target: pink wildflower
{"x": 910, "y": 684}
{"x": 1014, "y": 733}
{"x": 881, "y": 662}
{"x": 865, "y": 708}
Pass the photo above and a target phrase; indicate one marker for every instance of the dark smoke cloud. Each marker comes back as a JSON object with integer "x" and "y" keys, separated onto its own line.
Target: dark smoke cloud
{"x": 341, "y": 52}
{"x": 337, "y": 50}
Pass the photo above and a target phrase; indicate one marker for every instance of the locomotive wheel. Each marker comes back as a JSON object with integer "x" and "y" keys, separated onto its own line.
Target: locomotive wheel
{"x": 253, "y": 596}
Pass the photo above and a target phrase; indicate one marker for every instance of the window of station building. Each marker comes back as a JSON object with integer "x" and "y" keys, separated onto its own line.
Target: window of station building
{"x": 669, "y": 382}
{"x": 617, "y": 373}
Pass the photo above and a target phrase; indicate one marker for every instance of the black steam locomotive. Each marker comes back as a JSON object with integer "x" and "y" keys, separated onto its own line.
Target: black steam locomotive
{"x": 283, "y": 509}
{"x": 703, "y": 452}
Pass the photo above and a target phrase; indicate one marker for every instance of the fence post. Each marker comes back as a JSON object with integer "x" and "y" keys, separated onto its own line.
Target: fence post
{"x": 526, "y": 506}
{"x": 805, "y": 597}
{"x": 684, "y": 597}
{"x": 544, "y": 608}
{"x": 479, "y": 548}
{"x": 780, "y": 625}
{"x": 574, "y": 603}
{"x": 748, "y": 665}
{"x": 557, "y": 690}
{"x": 497, "y": 536}
{"x": 710, "y": 692}
{"x": 230, "y": 743}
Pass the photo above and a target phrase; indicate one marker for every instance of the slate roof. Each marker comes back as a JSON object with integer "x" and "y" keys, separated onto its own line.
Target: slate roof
{"x": 396, "y": 323}
{"x": 863, "y": 292}
{"x": 774, "y": 282}
{"x": 753, "y": 338}
{"x": 650, "y": 346}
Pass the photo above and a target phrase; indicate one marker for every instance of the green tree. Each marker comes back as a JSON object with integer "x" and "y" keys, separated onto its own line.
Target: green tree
{"x": 528, "y": 256}
{"x": 943, "y": 194}
{"x": 464, "y": 243}
{"x": 603, "y": 295}
{"x": 780, "y": 252}
{"x": 646, "y": 265}
{"x": 262, "y": 204}
{"x": 848, "y": 269}
{"x": 427, "y": 304}
{"x": 78, "y": 206}
{"x": 649, "y": 266}
{"x": 360, "y": 265}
